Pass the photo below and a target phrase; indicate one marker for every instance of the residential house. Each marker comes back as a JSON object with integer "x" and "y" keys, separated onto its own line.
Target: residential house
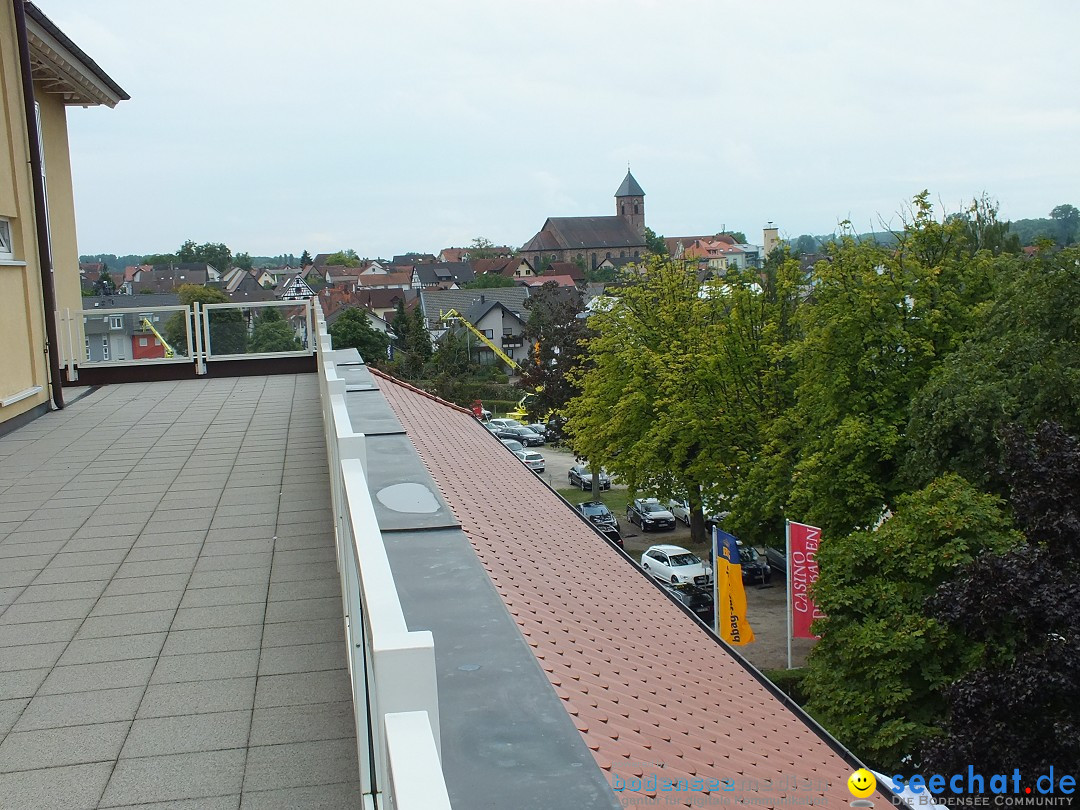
{"x": 547, "y": 278}
{"x": 38, "y": 278}
{"x": 566, "y": 269}
{"x": 501, "y": 325}
{"x": 436, "y": 303}
{"x": 592, "y": 239}
{"x": 618, "y": 264}
{"x": 113, "y": 336}
{"x": 410, "y": 259}
{"x": 295, "y": 289}
{"x": 507, "y": 266}
{"x": 442, "y": 275}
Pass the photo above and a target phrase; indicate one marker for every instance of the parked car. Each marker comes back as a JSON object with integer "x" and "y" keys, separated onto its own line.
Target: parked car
{"x": 680, "y": 510}
{"x": 531, "y": 459}
{"x": 513, "y": 444}
{"x": 649, "y": 514}
{"x": 536, "y": 427}
{"x": 597, "y": 513}
{"x": 676, "y": 565}
{"x": 580, "y": 476}
{"x": 755, "y": 566}
{"x": 777, "y": 558}
{"x": 699, "y": 600}
{"x": 523, "y": 435}
{"x": 502, "y": 422}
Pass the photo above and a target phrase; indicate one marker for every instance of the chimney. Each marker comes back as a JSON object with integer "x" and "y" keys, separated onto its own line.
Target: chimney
{"x": 481, "y": 298}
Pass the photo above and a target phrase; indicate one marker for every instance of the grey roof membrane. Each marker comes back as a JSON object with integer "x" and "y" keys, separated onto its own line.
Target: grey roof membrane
{"x": 507, "y": 741}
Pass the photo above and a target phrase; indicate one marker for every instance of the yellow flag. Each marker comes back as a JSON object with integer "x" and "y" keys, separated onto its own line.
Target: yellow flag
{"x": 732, "y": 625}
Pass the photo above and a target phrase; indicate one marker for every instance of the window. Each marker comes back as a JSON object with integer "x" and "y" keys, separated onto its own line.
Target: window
{"x": 489, "y": 334}
{"x": 622, "y": 254}
{"x": 88, "y": 349}
{"x": 5, "y": 239}
{"x": 116, "y": 321}
{"x": 104, "y": 347}
{"x": 636, "y": 208}
{"x": 142, "y": 341}
{"x": 508, "y": 330}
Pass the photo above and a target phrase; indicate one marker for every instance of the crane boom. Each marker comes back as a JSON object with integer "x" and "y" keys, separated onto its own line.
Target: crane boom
{"x": 454, "y": 315}
{"x": 169, "y": 353}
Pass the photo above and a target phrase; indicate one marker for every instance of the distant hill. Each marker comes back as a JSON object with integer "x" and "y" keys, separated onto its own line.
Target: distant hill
{"x": 118, "y": 263}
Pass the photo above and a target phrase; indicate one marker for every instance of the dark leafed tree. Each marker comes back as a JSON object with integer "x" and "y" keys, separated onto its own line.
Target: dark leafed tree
{"x": 215, "y": 254}
{"x": 487, "y": 281}
{"x": 305, "y": 259}
{"x": 353, "y": 330}
{"x": 654, "y": 242}
{"x": 271, "y": 333}
{"x": 560, "y": 333}
{"x": 104, "y": 284}
{"x": 1024, "y": 609}
{"x": 228, "y": 331}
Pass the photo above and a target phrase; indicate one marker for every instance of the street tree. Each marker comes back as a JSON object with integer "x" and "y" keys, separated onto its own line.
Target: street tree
{"x": 228, "y": 331}
{"x": 877, "y": 677}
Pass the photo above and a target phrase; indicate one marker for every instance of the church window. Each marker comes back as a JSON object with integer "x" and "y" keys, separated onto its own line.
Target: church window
{"x": 635, "y": 208}
{"x": 609, "y": 254}
{"x": 624, "y": 209}
{"x": 622, "y": 254}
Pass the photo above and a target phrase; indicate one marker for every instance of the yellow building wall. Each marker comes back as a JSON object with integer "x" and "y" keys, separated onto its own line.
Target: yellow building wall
{"x": 65, "y": 250}
{"x": 22, "y": 325}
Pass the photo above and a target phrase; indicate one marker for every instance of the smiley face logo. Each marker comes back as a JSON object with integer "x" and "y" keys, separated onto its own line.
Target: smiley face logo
{"x": 861, "y": 783}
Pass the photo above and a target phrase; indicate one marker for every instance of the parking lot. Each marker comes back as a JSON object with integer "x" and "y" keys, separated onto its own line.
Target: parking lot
{"x": 766, "y": 605}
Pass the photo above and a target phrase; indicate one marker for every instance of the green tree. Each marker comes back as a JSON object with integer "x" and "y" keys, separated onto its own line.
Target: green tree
{"x": 1021, "y": 365}
{"x": 243, "y": 261}
{"x": 353, "y": 330}
{"x": 672, "y": 398}
{"x": 157, "y": 259}
{"x": 305, "y": 260}
{"x": 344, "y": 258}
{"x": 270, "y": 333}
{"x": 1066, "y": 219}
{"x": 228, "y": 332}
{"x": 738, "y": 236}
{"x": 487, "y": 281}
{"x": 560, "y": 333}
{"x": 104, "y": 284}
{"x": 654, "y": 243}
{"x": 481, "y": 248}
{"x": 215, "y": 254}
{"x": 805, "y": 244}
{"x": 411, "y": 341}
{"x": 876, "y": 678}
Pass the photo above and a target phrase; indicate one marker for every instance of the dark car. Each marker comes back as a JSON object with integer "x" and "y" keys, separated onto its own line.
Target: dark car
{"x": 521, "y": 434}
{"x": 755, "y": 568}
{"x": 777, "y": 558}
{"x": 580, "y": 476}
{"x": 602, "y": 518}
{"x": 649, "y": 514}
{"x": 699, "y": 600}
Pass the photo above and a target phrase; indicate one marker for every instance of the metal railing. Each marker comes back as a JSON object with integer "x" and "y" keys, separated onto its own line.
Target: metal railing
{"x": 135, "y": 335}
{"x": 392, "y": 669}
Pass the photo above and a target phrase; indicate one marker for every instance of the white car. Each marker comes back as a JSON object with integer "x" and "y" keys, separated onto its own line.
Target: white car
{"x": 496, "y": 424}
{"x": 531, "y": 459}
{"x": 680, "y": 510}
{"x": 676, "y": 565}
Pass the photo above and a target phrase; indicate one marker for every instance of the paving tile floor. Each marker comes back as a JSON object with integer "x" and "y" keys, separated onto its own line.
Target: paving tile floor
{"x": 170, "y": 609}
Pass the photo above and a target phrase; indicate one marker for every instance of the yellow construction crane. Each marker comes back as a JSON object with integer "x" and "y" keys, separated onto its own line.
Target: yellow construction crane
{"x": 169, "y": 353}
{"x": 454, "y": 315}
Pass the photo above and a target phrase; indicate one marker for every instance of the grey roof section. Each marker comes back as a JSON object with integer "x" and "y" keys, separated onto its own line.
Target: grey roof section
{"x": 583, "y": 233}
{"x": 630, "y": 187}
{"x": 140, "y": 301}
{"x": 479, "y": 310}
{"x": 436, "y": 302}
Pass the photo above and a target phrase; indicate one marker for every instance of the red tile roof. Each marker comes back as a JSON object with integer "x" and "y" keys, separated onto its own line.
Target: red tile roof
{"x": 674, "y": 703}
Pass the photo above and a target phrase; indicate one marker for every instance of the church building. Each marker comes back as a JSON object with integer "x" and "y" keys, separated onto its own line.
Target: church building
{"x": 591, "y": 240}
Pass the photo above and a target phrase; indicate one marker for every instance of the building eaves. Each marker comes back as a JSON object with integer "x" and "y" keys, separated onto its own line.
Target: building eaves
{"x": 63, "y": 67}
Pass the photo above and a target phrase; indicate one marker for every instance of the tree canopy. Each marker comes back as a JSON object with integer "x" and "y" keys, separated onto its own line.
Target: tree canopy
{"x": 487, "y": 281}
{"x": 353, "y": 330}
{"x": 344, "y": 258}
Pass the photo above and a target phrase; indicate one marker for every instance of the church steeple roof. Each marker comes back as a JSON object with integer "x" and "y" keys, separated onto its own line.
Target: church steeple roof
{"x": 629, "y": 187}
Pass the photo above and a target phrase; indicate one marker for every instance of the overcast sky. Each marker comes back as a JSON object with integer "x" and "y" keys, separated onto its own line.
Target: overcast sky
{"x": 278, "y": 126}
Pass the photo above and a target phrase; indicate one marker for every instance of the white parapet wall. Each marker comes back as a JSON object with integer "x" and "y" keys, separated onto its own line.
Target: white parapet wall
{"x": 395, "y": 693}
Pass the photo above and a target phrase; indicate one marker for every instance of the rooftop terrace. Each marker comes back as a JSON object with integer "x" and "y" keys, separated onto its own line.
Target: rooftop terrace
{"x": 170, "y": 608}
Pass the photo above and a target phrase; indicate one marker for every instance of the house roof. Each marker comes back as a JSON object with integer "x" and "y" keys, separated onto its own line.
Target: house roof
{"x": 547, "y": 278}
{"x": 481, "y": 308}
{"x": 130, "y": 301}
{"x": 566, "y": 269}
{"x": 679, "y": 703}
{"x": 583, "y": 233}
{"x": 504, "y": 266}
{"x": 64, "y": 67}
{"x": 629, "y": 187}
{"x": 436, "y": 302}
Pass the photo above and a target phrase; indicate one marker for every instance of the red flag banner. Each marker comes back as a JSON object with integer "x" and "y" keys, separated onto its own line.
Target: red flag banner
{"x": 803, "y": 544}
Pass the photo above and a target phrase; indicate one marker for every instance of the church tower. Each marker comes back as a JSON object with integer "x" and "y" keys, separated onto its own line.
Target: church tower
{"x": 630, "y": 204}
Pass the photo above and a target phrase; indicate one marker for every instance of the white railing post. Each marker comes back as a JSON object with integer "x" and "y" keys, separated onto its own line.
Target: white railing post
{"x": 413, "y": 766}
